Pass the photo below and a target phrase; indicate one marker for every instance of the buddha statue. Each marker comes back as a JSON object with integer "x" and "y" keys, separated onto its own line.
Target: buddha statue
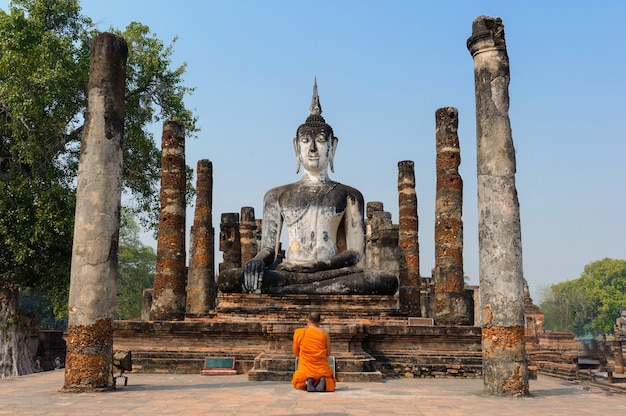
{"x": 324, "y": 220}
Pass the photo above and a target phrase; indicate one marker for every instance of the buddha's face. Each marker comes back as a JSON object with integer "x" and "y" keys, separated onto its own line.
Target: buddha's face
{"x": 315, "y": 148}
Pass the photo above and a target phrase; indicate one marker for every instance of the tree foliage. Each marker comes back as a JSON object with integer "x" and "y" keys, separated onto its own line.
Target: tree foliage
{"x": 589, "y": 304}
{"x": 45, "y": 48}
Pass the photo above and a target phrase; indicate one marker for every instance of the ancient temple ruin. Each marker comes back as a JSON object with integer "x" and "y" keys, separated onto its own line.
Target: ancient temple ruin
{"x": 372, "y": 334}
{"x": 419, "y": 326}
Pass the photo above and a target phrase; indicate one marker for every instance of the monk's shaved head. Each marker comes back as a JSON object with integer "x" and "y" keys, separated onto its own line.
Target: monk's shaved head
{"x": 314, "y": 317}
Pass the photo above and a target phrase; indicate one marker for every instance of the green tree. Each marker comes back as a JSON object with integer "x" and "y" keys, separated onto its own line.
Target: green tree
{"x": 565, "y": 307}
{"x": 44, "y": 68}
{"x": 604, "y": 281}
{"x": 590, "y": 304}
{"x": 137, "y": 263}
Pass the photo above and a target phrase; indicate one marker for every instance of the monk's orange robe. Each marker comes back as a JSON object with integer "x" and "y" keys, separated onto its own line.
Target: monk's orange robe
{"x": 310, "y": 345}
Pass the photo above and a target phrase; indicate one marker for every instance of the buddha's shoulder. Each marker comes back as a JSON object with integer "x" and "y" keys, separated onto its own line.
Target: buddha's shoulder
{"x": 347, "y": 189}
{"x": 334, "y": 188}
{"x": 279, "y": 190}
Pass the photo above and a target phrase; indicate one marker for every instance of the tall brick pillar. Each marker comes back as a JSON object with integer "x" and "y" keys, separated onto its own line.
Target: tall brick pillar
{"x": 170, "y": 279}
{"x": 230, "y": 241}
{"x": 201, "y": 286}
{"x": 247, "y": 234}
{"x": 505, "y": 369}
{"x": 93, "y": 275}
{"x": 409, "y": 279}
{"x": 451, "y": 306}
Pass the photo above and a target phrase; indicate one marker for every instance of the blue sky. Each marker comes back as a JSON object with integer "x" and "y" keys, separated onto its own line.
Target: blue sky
{"x": 383, "y": 68}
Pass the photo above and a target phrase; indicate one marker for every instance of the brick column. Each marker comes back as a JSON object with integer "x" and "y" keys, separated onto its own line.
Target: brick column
{"x": 247, "y": 234}
{"x": 505, "y": 369}
{"x": 230, "y": 241}
{"x": 201, "y": 286}
{"x": 93, "y": 276}
{"x": 381, "y": 243}
{"x": 170, "y": 279}
{"x": 450, "y": 299}
{"x": 619, "y": 352}
{"x": 409, "y": 279}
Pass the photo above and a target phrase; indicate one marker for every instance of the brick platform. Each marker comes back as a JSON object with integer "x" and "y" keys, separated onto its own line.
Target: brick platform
{"x": 369, "y": 338}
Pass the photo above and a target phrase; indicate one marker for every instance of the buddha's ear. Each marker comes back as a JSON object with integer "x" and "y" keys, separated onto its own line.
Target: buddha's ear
{"x": 333, "y": 148}
{"x": 296, "y": 147}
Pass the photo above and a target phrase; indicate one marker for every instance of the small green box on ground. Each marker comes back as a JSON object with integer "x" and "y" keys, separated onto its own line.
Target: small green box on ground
{"x": 219, "y": 366}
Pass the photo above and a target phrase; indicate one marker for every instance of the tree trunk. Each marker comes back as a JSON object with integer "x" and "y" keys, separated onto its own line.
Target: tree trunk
{"x": 15, "y": 359}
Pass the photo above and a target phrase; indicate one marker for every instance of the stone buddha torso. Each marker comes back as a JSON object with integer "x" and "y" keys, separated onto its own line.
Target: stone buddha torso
{"x": 314, "y": 215}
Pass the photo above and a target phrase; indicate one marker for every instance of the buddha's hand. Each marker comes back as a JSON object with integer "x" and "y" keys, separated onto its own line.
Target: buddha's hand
{"x": 253, "y": 275}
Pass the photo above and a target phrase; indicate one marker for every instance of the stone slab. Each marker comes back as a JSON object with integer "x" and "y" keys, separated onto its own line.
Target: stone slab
{"x": 420, "y": 321}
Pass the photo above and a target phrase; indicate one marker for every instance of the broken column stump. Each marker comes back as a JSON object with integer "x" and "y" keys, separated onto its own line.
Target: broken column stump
{"x": 381, "y": 240}
{"x": 230, "y": 242}
{"x": 248, "y": 234}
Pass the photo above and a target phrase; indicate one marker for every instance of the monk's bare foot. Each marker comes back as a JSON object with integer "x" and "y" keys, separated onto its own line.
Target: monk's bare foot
{"x": 309, "y": 385}
{"x": 321, "y": 385}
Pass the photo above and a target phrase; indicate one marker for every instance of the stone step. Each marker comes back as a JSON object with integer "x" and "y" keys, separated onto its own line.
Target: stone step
{"x": 337, "y": 308}
{"x": 178, "y": 362}
{"x": 269, "y": 375}
{"x": 346, "y": 376}
{"x": 360, "y": 377}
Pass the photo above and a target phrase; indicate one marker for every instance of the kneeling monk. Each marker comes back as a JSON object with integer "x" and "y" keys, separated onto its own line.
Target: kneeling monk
{"x": 312, "y": 347}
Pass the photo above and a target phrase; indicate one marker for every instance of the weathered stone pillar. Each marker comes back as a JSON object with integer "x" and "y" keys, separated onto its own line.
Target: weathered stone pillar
{"x": 146, "y": 304}
{"x": 230, "y": 241}
{"x": 505, "y": 369}
{"x": 450, "y": 299}
{"x": 259, "y": 227}
{"x": 409, "y": 280}
{"x": 619, "y": 351}
{"x": 201, "y": 287}
{"x": 93, "y": 273}
{"x": 372, "y": 207}
{"x": 372, "y": 246}
{"x": 170, "y": 279}
{"x": 381, "y": 244}
{"x": 247, "y": 234}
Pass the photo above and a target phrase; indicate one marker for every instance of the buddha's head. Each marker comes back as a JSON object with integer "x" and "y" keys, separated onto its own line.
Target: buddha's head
{"x": 315, "y": 143}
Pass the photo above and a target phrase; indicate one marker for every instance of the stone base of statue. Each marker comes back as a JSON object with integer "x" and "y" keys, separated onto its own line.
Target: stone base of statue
{"x": 365, "y": 352}
{"x": 334, "y": 308}
{"x": 370, "y": 339}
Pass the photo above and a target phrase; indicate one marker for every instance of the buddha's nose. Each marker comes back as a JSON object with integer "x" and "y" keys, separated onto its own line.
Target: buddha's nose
{"x": 313, "y": 147}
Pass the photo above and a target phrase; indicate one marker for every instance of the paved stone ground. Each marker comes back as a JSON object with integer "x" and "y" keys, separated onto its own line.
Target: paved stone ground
{"x": 189, "y": 394}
